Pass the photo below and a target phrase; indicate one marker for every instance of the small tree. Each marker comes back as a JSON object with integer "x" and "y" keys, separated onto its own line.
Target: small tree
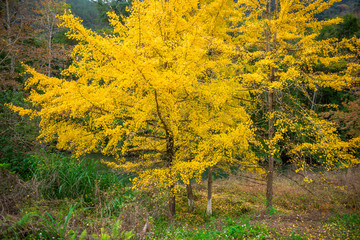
{"x": 159, "y": 88}
{"x": 47, "y": 12}
{"x": 15, "y": 21}
{"x": 283, "y": 64}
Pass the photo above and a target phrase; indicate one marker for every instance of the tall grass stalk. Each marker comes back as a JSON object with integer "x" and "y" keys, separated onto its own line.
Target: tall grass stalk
{"x": 68, "y": 177}
{"x": 55, "y": 228}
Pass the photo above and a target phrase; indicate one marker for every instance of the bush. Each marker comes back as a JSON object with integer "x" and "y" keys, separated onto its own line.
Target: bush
{"x": 68, "y": 177}
{"x": 17, "y": 136}
{"x": 16, "y": 160}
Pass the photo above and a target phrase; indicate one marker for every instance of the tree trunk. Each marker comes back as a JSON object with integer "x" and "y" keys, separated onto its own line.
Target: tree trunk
{"x": 49, "y": 55}
{"x": 271, "y": 121}
{"x": 51, "y": 22}
{"x": 172, "y": 211}
{"x": 9, "y": 40}
{"x": 270, "y": 173}
{"x": 169, "y": 157}
{"x": 209, "y": 197}
{"x": 190, "y": 197}
{"x": 12, "y": 62}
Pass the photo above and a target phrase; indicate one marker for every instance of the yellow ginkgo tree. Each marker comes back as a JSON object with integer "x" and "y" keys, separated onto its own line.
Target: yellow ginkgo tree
{"x": 159, "y": 88}
{"x": 281, "y": 61}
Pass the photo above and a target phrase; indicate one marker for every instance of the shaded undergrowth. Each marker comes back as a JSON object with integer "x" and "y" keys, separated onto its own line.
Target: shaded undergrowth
{"x": 70, "y": 198}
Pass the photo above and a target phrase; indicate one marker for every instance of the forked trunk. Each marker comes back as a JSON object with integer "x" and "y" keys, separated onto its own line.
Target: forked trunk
{"x": 209, "y": 197}
{"x": 169, "y": 157}
{"x": 190, "y": 197}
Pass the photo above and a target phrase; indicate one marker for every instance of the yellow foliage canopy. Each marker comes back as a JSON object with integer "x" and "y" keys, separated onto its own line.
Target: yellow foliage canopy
{"x": 279, "y": 54}
{"x": 160, "y": 86}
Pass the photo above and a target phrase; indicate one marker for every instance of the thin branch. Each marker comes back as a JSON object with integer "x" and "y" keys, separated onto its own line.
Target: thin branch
{"x": 298, "y": 183}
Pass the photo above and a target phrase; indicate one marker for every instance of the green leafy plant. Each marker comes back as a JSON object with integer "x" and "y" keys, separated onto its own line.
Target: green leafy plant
{"x": 13, "y": 230}
{"x": 115, "y": 233}
{"x": 346, "y": 226}
{"x": 68, "y": 177}
{"x": 17, "y": 136}
{"x": 34, "y": 225}
{"x": 272, "y": 211}
{"x": 233, "y": 229}
{"x": 55, "y": 229}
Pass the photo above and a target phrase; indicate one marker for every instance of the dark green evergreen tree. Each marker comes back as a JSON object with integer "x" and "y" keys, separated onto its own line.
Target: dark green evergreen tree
{"x": 119, "y": 6}
{"x": 87, "y": 11}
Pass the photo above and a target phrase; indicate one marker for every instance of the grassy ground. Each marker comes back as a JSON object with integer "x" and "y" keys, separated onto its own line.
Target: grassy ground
{"x": 327, "y": 208}
{"x": 68, "y": 199}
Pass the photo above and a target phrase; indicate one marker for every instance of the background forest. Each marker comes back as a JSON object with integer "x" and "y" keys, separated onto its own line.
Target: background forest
{"x": 275, "y": 185}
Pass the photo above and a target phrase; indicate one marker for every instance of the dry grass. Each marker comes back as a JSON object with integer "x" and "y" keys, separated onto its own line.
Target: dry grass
{"x": 301, "y": 207}
{"x": 14, "y": 192}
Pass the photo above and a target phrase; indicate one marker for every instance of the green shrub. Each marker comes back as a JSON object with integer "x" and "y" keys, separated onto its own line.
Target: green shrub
{"x": 68, "y": 177}
{"x": 17, "y": 161}
{"x": 17, "y": 136}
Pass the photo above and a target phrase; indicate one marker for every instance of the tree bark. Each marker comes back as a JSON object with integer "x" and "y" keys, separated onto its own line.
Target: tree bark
{"x": 209, "y": 197}
{"x": 169, "y": 158}
{"x": 49, "y": 53}
{"x": 270, "y": 173}
{"x": 9, "y": 40}
{"x": 271, "y": 121}
{"x": 190, "y": 197}
{"x": 12, "y": 62}
{"x": 172, "y": 211}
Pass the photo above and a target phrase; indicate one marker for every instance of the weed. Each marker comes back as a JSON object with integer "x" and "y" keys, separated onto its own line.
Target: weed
{"x": 14, "y": 191}
{"x": 233, "y": 229}
{"x": 18, "y": 229}
{"x": 271, "y": 211}
{"x": 113, "y": 234}
{"x": 344, "y": 227}
{"x": 295, "y": 236}
{"x": 109, "y": 209}
{"x": 17, "y": 136}
{"x": 54, "y": 228}
{"x": 66, "y": 177}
